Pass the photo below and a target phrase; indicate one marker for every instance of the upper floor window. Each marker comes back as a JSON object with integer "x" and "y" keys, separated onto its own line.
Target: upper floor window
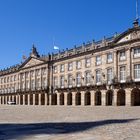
{"x": 44, "y": 82}
{"x": 38, "y": 72}
{"x": 78, "y": 64}
{"x": 137, "y": 72}
{"x": 87, "y": 62}
{"x": 70, "y": 66}
{"x": 109, "y": 75}
{"x": 62, "y": 81}
{"x": 98, "y": 60}
{"x": 98, "y": 76}
{"x": 32, "y": 84}
{"x": 44, "y": 71}
{"x": 136, "y": 52}
{"x": 122, "y": 74}
{"x": 32, "y": 74}
{"x": 55, "y": 82}
{"x": 109, "y": 57}
{"x": 55, "y": 69}
{"x": 62, "y": 68}
{"x": 15, "y": 77}
{"x": 38, "y": 83}
{"x": 88, "y": 77}
{"x": 70, "y": 80}
{"x": 78, "y": 79}
{"x": 122, "y": 55}
{"x": 27, "y": 74}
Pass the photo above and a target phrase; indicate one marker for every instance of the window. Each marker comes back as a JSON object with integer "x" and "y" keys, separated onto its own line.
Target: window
{"x": 136, "y": 52}
{"x": 27, "y": 85}
{"x": 32, "y": 84}
{"x": 27, "y": 74}
{"x": 62, "y": 67}
{"x": 15, "y": 77}
{"x": 43, "y": 82}
{"x": 44, "y": 71}
{"x": 38, "y": 72}
{"x": 70, "y": 80}
{"x": 78, "y": 64}
{"x": 137, "y": 72}
{"x": 87, "y": 62}
{"x": 55, "y": 82}
{"x": 62, "y": 80}
{"x": 109, "y": 57}
{"x": 98, "y": 60}
{"x": 122, "y": 74}
{"x": 98, "y": 76}
{"x": 122, "y": 55}
{"x": 109, "y": 75}
{"x": 55, "y": 69}
{"x": 70, "y": 66}
{"x": 32, "y": 74}
{"x": 78, "y": 79}
{"x": 88, "y": 78}
{"x": 38, "y": 83}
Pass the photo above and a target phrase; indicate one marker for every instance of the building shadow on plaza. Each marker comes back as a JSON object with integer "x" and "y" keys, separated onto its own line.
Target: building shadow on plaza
{"x": 17, "y": 131}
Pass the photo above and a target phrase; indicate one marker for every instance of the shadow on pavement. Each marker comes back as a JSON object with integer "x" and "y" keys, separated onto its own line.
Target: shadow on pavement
{"x": 17, "y": 131}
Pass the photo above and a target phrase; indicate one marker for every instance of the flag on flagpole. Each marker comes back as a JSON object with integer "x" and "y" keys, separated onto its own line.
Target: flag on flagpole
{"x": 56, "y": 47}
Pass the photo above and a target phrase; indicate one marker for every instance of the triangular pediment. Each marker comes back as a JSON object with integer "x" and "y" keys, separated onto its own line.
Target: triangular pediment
{"x": 30, "y": 62}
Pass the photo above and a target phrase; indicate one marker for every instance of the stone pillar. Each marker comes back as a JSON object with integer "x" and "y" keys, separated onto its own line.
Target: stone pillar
{"x": 39, "y": 99}
{"x": 46, "y": 99}
{"x": 50, "y": 99}
{"x": 23, "y": 99}
{"x": 82, "y": 98}
{"x": 5, "y": 99}
{"x": 73, "y": 98}
{"x": 0, "y": 100}
{"x": 58, "y": 98}
{"x": 28, "y": 99}
{"x": 103, "y": 97}
{"x": 115, "y": 97}
{"x": 65, "y": 98}
{"x": 33, "y": 99}
{"x": 17, "y": 100}
{"x": 128, "y": 97}
{"x": 92, "y": 98}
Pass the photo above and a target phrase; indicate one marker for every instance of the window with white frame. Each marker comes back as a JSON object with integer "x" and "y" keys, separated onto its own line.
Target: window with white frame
{"x": 38, "y": 72}
{"x": 55, "y": 69}
{"x": 38, "y": 83}
{"x": 98, "y": 76}
{"x": 98, "y": 60}
{"x": 32, "y": 84}
{"x": 109, "y": 75}
{"x": 27, "y": 84}
{"x": 44, "y": 71}
{"x": 137, "y": 72}
{"x": 78, "y": 79}
{"x": 122, "y": 55}
{"x": 78, "y": 64}
{"x": 70, "y": 66}
{"x": 70, "y": 80}
{"x": 122, "y": 74}
{"x": 62, "y": 68}
{"x": 88, "y": 77}
{"x": 32, "y": 74}
{"x": 136, "y": 52}
{"x": 27, "y": 74}
{"x": 55, "y": 82}
{"x": 44, "y": 82}
{"x": 87, "y": 62}
{"x": 62, "y": 81}
{"x": 109, "y": 57}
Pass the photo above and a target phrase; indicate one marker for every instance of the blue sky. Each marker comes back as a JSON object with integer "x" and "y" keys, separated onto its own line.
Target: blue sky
{"x": 70, "y": 22}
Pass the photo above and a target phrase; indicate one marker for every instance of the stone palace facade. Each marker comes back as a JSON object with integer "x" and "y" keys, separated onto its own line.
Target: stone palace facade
{"x": 106, "y": 72}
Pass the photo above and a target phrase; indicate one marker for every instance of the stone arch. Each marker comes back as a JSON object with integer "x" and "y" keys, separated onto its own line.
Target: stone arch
{"x": 121, "y": 97}
{"x": 36, "y": 99}
{"x": 43, "y": 99}
{"x": 69, "y": 98}
{"x": 54, "y": 99}
{"x": 109, "y": 97}
{"x": 26, "y": 99}
{"x": 31, "y": 99}
{"x": 21, "y": 99}
{"x": 78, "y": 98}
{"x": 61, "y": 98}
{"x": 98, "y": 97}
{"x": 135, "y": 97}
{"x": 87, "y": 98}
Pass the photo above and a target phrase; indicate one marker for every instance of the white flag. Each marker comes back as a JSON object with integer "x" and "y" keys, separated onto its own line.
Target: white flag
{"x": 56, "y": 47}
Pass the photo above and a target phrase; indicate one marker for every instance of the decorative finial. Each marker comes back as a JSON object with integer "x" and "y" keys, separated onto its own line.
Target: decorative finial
{"x": 34, "y": 52}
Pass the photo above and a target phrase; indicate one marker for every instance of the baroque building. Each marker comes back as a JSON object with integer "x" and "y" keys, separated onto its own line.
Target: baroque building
{"x": 106, "y": 72}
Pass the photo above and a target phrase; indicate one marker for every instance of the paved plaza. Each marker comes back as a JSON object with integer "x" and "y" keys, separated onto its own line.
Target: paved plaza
{"x": 71, "y": 123}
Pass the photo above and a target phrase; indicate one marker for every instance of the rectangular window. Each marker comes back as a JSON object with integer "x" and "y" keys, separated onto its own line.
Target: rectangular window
{"x": 136, "y": 52}
{"x": 98, "y": 76}
{"x": 38, "y": 72}
{"x": 44, "y": 82}
{"x": 32, "y": 74}
{"x": 109, "y": 75}
{"x": 122, "y": 74}
{"x": 44, "y": 71}
{"x": 27, "y": 85}
{"x": 122, "y": 55}
{"x": 38, "y": 83}
{"x": 55, "y": 82}
{"x": 98, "y": 60}
{"x": 137, "y": 72}
{"x": 32, "y": 84}
{"x": 78, "y": 64}
{"x": 62, "y": 82}
{"x": 87, "y": 62}
{"x": 88, "y": 78}
{"x": 70, "y": 80}
{"x": 27, "y": 74}
{"x": 109, "y": 57}
{"x": 70, "y": 66}
{"x": 55, "y": 69}
{"x": 78, "y": 79}
{"x": 62, "y": 67}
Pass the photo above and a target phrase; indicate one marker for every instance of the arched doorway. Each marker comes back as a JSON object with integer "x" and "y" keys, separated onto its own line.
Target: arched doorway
{"x": 26, "y": 99}
{"x": 69, "y": 98}
{"x": 135, "y": 97}
{"x": 121, "y": 97}
{"x": 61, "y": 98}
{"x": 109, "y": 97}
{"x": 21, "y": 99}
{"x": 36, "y": 99}
{"x": 4, "y": 99}
{"x": 98, "y": 98}
{"x": 87, "y": 98}
{"x": 15, "y": 99}
{"x": 78, "y": 98}
{"x": 42, "y": 99}
{"x": 31, "y": 99}
{"x": 54, "y": 99}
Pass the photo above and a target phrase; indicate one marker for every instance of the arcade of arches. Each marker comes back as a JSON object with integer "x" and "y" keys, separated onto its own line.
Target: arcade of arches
{"x": 119, "y": 97}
